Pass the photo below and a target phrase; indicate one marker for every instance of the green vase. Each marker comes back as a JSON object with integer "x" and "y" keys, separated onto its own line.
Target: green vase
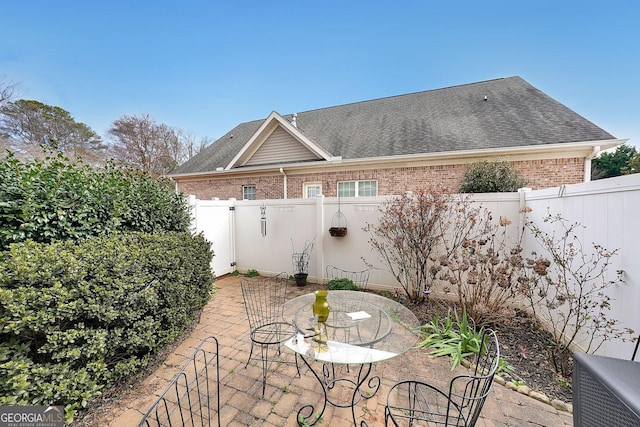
{"x": 321, "y": 306}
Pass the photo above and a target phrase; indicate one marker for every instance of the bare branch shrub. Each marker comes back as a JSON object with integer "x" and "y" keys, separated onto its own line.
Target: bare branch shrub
{"x": 569, "y": 290}
{"x": 485, "y": 272}
{"x": 417, "y": 228}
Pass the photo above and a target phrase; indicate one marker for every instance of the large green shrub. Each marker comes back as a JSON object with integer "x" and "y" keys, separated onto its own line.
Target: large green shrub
{"x": 494, "y": 176}
{"x": 77, "y": 316}
{"x": 54, "y": 199}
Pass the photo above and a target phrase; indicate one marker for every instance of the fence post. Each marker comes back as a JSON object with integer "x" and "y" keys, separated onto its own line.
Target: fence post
{"x": 523, "y": 204}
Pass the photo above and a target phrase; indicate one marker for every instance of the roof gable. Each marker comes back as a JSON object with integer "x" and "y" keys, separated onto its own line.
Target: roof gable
{"x": 280, "y": 147}
{"x": 277, "y": 141}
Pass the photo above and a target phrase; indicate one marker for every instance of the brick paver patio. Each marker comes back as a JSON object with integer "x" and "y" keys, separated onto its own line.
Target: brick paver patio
{"x": 241, "y": 400}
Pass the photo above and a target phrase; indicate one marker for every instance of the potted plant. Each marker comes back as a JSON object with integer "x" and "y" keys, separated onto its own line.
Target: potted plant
{"x": 301, "y": 263}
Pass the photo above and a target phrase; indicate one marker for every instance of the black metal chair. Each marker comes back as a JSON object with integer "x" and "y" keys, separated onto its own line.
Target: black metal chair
{"x": 359, "y": 278}
{"x": 192, "y": 398}
{"x": 416, "y": 403}
{"x": 635, "y": 350}
{"x": 264, "y": 300}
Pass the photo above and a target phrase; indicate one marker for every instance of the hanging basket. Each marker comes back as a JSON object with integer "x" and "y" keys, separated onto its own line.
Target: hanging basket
{"x": 338, "y": 231}
{"x": 338, "y": 225}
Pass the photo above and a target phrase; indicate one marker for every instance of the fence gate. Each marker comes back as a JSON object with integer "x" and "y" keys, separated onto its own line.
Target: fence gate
{"x": 215, "y": 219}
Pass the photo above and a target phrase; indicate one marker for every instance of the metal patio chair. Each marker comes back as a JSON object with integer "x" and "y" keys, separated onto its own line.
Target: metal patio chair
{"x": 192, "y": 398}
{"x": 417, "y": 403}
{"x": 359, "y": 278}
{"x": 264, "y": 300}
{"x": 635, "y": 350}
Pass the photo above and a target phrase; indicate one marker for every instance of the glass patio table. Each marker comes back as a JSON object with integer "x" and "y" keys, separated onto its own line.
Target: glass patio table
{"x": 362, "y": 328}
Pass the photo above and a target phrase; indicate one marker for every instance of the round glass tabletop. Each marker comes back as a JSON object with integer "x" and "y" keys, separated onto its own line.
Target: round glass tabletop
{"x": 362, "y": 327}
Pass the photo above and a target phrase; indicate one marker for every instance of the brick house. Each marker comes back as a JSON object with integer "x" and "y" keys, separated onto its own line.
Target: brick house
{"x": 391, "y": 145}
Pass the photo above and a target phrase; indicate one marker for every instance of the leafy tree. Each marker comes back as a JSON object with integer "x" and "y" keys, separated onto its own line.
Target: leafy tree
{"x": 32, "y": 123}
{"x": 142, "y": 143}
{"x": 491, "y": 177}
{"x": 608, "y": 165}
{"x": 633, "y": 165}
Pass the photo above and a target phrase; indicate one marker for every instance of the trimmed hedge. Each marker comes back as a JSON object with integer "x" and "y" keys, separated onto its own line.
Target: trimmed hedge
{"x": 54, "y": 199}
{"x": 75, "y": 317}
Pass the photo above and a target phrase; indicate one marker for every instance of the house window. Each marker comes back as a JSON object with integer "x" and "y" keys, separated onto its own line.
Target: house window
{"x": 248, "y": 192}
{"x": 357, "y": 188}
{"x": 311, "y": 189}
{"x": 367, "y": 188}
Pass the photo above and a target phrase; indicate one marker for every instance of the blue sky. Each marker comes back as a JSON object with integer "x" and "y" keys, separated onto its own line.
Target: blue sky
{"x": 205, "y": 66}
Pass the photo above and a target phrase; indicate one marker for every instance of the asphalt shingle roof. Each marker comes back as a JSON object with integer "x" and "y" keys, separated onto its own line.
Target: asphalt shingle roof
{"x": 442, "y": 120}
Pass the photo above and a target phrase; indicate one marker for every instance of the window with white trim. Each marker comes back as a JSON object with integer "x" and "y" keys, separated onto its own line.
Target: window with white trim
{"x": 248, "y": 192}
{"x": 357, "y": 188}
{"x": 311, "y": 189}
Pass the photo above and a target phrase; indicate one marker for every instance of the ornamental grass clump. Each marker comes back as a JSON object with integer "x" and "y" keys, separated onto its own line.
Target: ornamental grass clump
{"x": 457, "y": 339}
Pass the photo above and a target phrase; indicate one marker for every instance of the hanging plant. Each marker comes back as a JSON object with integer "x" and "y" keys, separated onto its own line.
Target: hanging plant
{"x": 338, "y": 223}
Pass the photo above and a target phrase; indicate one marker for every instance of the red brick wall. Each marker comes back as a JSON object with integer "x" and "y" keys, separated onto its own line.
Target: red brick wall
{"x": 552, "y": 172}
{"x": 538, "y": 173}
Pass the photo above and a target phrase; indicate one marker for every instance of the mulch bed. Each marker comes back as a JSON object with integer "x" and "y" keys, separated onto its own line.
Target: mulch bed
{"x": 522, "y": 344}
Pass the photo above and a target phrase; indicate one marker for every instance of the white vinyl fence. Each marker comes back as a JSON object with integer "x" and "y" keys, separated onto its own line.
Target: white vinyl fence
{"x": 243, "y": 237}
{"x": 609, "y": 211}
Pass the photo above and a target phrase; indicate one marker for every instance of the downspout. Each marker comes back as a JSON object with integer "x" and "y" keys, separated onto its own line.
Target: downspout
{"x": 284, "y": 182}
{"x": 587, "y": 163}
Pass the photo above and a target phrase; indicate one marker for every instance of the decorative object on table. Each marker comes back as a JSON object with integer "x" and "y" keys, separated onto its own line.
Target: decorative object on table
{"x": 412, "y": 402}
{"x": 264, "y": 301}
{"x": 321, "y": 336}
{"x": 320, "y": 310}
{"x": 321, "y": 306}
{"x": 338, "y": 223}
{"x": 301, "y": 262}
{"x": 359, "y": 278}
{"x": 263, "y": 220}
